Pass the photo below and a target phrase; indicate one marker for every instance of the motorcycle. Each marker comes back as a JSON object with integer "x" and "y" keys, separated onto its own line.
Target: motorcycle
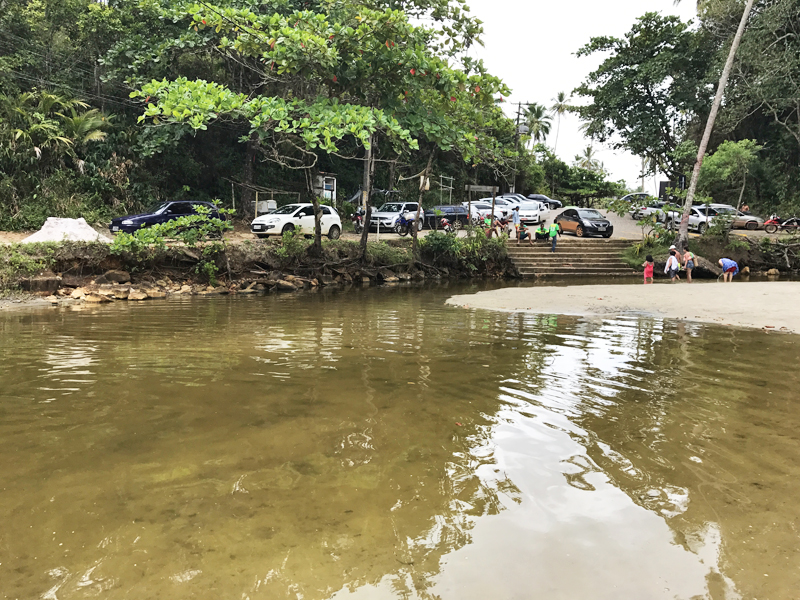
{"x": 358, "y": 222}
{"x": 787, "y": 225}
{"x": 404, "y": 224}
{"x": 446, "y": 226}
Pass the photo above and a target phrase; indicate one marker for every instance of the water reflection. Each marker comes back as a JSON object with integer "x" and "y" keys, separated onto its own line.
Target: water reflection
{"x": 380, "y": 445}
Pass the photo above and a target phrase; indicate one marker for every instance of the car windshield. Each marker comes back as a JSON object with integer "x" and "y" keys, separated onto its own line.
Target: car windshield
{"x": 158, "y": 206}
{"x": 286, "y": 210}
{"x": 391, "y": 207}
{"x": 588, "y": 213}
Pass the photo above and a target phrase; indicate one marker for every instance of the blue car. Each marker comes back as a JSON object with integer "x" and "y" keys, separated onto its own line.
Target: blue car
{"x": 160, "y": 213}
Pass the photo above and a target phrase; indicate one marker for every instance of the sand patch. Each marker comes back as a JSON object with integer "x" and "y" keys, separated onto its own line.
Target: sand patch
{"x": 762, "y": 305}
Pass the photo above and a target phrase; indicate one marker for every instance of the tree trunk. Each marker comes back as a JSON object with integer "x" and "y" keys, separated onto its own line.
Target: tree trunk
{"x": 683, "y": 234}
{"x": 310, "y": 177}
{"x": 248, "y": 196}
{"x": 391, "y": 175}
{"x": 365, "y": 192}
{"x": 425, "y": 174}
{"x": 741, "y": 192}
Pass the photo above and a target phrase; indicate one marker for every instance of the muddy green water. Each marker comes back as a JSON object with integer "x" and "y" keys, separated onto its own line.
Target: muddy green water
{"x": 379, "y": 445}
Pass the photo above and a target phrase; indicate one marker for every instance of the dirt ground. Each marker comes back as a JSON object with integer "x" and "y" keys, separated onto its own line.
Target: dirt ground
{"x": 760, "y": 305}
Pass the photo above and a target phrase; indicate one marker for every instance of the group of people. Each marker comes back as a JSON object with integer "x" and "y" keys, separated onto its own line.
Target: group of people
{"x": 496, "y": 226}
{"x": 685, "y": 261}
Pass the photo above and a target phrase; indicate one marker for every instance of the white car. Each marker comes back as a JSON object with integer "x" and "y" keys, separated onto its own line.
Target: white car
{"x": 699, "y": 221}
{"x": 480, "y": 209}
{"x": 531, "y": 212}
{"x": 386, "y": 216}
{"x": 297, "y": 217}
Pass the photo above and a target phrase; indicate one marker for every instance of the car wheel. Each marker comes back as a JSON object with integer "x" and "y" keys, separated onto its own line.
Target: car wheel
{"x": 457, "y": 224}
{"x": 669, "y": 224}
{"x": 398, "y": 229}
{"x": 288, "y": 227}
{"x": 751, "y": 226}
{"x": 701, "y": 228}
{"x": 334, "y": 232}
{"x": 419, "y": 225}
{"x": 579, "y": 231}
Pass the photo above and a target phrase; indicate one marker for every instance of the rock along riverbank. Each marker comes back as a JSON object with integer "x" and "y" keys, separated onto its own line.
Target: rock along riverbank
{"x": 761, "y": 305}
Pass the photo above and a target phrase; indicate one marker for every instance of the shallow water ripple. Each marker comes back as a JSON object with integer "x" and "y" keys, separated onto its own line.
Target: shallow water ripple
{"x": 381, "y": 445}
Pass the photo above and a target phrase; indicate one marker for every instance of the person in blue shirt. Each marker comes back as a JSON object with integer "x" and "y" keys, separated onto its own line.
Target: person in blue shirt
{"x": 729, "y": 269}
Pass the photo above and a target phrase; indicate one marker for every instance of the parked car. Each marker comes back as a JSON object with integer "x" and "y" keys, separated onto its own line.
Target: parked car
{"x": 455, "y": 213}
{"x": 480, "y": 209}
{"x": 297, "y": 217}
{"x": 656, "y": 207}
{"x": 739, "y": 220}
{"x": 552, "y": 204}
{"x": 386, "y": 216}
{"x": 638, "y": 198}
{"x": 160, "y": 213}
{"x": 531, "y": 212}
{"x": 699, "y": 220}
{"x": 584, "y": 222}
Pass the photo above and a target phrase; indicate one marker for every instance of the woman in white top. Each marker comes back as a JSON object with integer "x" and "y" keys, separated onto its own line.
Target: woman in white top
{"x": 672, "y": 267}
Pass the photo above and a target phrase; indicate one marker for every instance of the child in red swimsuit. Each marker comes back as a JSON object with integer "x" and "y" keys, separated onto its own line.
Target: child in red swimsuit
{"x": 648, "y": 269}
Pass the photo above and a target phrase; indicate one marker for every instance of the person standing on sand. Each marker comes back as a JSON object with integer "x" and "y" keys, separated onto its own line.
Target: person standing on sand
{"x": 555, "y": 231}
{"x": 688, "y": 264}
{"x": 648, "y": 265}
{"x": 672, "y": 267}
{"x": 729, "y": 269}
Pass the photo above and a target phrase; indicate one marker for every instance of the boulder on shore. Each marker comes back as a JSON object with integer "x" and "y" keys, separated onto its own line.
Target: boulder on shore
{"x": 114, "y": 277}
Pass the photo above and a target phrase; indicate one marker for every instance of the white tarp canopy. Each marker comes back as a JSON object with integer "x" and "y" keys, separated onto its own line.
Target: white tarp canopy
{"x": 66, "y": 230}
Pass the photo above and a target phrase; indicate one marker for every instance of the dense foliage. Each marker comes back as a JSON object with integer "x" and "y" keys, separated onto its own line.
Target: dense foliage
{"x": 108, "y": 107}
{"x": 652, "y": 93}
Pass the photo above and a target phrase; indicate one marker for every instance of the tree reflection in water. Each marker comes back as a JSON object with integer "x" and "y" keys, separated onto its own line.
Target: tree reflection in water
{"x": 378, "y": 444}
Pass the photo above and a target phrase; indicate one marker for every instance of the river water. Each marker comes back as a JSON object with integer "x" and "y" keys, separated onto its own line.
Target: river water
{"x": 377, "y": 444}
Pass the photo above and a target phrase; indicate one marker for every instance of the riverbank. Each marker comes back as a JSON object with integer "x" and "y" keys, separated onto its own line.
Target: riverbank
{"x": 66, "y": 272}
{"x": 760, "y": 305}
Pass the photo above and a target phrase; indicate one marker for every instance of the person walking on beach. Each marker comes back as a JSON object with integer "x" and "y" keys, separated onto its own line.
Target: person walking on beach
{"x": 555, "y": 231}
{"x": 673, "y": 266}
{"x": 688, "y": 263}
{"x": 648, "y": 265}
{"x": 729, "y": 269}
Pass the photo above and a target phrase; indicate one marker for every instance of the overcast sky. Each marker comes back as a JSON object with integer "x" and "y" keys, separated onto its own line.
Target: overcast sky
{"x": 531, "y": 46}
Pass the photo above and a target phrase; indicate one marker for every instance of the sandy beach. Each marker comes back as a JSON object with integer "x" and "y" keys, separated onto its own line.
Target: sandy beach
{"x": 761, "y": 305}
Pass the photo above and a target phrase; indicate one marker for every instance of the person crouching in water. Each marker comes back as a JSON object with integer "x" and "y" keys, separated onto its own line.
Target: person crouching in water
{"x": 729, "y": 269}
{"x": 672, "y": 267}
{"x": 523, "y": 234}
{"x": 648, "y": 265}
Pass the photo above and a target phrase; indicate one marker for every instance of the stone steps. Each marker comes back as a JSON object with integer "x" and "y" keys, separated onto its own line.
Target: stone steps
{"x": 572, "y": 258}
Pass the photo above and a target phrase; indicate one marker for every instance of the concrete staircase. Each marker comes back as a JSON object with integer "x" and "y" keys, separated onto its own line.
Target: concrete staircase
{"x": 572, "y": 258}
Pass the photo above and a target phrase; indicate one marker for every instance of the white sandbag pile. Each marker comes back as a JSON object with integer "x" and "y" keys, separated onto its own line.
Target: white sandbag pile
{"x": 66, "y": 230}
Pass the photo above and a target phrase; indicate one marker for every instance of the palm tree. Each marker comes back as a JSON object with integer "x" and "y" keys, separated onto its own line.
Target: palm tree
{"x": 560, "y": 106}
{"x": 84, "y": 127}
{"x": 683, "y": 233}
{"x": 588, "y": 160}
{"x": 538, "y": 122}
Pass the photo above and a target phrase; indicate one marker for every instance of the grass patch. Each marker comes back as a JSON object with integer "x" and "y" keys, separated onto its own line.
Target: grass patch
{"x": 634, "y": 255}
